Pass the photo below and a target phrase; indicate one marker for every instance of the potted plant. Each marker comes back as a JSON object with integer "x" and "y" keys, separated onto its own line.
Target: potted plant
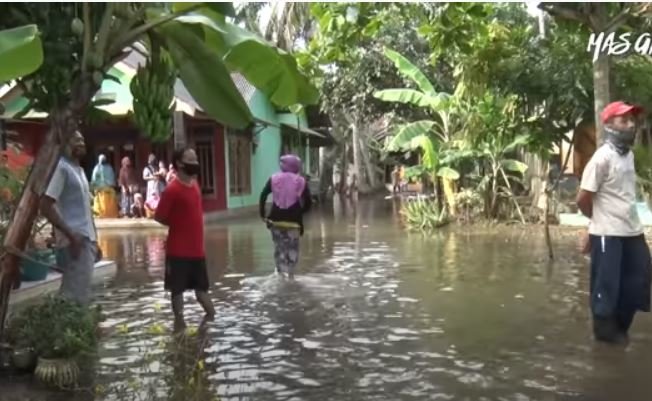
{"x": 59, "y": 331}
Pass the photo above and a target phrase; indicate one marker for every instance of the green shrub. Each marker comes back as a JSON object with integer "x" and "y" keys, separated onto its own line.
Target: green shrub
{"x": 469, "y": 203}
{"x": 424, "y": 215}
{"x": 55, "y": 328}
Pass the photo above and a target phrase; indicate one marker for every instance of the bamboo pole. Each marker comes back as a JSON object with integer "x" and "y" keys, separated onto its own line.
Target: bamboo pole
{"x": 549, "y": 192}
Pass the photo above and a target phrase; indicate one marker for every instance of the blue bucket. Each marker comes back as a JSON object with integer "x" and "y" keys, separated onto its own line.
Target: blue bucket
{"x": 37, "y": 269}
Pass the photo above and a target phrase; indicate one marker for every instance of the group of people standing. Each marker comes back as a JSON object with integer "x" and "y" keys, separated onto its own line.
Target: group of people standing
{"x": 131, "y": 203}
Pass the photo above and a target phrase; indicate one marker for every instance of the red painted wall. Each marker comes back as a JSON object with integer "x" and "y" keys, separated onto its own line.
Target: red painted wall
{"x": 217, "y": 203}
{"x": 27, "y": 136}
{"x": 30, "y": 135}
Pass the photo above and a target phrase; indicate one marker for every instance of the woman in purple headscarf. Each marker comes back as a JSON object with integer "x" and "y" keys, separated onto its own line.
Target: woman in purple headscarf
{"x": 291, "y": 199}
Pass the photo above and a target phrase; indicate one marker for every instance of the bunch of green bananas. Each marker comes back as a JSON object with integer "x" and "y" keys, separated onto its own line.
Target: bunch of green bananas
{"x": 153, "y": 92}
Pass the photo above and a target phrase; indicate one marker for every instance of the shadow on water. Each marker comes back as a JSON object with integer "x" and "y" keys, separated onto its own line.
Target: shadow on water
{"x": 375, "y": 314}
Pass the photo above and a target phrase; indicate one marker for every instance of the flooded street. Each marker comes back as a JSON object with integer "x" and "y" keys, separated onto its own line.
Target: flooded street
{"x": 375, "y": 314}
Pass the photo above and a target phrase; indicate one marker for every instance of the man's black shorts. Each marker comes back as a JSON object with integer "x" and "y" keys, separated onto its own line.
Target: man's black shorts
{"x": 183, "y": 274}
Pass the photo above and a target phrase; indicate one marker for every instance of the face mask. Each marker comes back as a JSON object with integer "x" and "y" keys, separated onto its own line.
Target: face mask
{"x": 622, "y": 141}
{"x": 191, "y": 169}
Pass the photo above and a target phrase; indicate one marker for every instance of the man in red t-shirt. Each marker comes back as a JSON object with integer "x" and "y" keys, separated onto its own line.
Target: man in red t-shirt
{"x": 180, "y": 208}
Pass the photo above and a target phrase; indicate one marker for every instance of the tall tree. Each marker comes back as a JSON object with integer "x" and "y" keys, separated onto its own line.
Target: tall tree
{"x": 346, "y": 57}
{"x": 286, "y": 24}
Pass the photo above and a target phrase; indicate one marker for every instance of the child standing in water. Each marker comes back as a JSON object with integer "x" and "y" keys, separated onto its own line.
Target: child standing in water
{"x": 291, "y": 199}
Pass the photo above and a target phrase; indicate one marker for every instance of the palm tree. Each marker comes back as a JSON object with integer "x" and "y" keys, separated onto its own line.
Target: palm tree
{"x": 288, "y": 21}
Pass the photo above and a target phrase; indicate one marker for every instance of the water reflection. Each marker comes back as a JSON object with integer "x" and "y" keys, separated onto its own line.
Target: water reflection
{"x": 376, "y": 314}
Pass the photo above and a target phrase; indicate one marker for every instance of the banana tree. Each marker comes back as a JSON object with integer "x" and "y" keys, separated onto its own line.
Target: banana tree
{"x": 502, "y": 170}
{"x": 432, "y": 137}
{"x": 82, "y": 41}
{"x": 495, "y": 130}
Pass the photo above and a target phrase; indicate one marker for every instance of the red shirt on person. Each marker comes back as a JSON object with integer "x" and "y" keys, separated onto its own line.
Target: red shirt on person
{"x": 180, "y": 208}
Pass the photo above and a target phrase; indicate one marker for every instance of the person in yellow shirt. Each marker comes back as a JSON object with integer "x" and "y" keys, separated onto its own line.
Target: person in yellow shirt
{"x": 105, "y": 203}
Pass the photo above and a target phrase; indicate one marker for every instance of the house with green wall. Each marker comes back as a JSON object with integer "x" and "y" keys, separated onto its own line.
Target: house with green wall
{"x": 275, "y": 133}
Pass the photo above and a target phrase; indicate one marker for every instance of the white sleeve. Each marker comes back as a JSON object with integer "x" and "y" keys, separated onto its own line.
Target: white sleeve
{"x": 55, "y": 188}
{"x": 594, "y": 174}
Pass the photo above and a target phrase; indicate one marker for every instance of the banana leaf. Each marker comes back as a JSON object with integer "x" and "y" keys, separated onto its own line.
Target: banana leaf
{"x": 448, "y": 173}
{"x": 519, "y": 141}
{"x": 411, "y": 96}
{"x": 21, "y": 52}
{"x": 223, "y": 7}
{"x": 205, "y": 76}
{"x": 409, "y": 70}
{"x": 514, "y": 166}
{"x": 407, "y": 132}
{"x": 271, "y": 70}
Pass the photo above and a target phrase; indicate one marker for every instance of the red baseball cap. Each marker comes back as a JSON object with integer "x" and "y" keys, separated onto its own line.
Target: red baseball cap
{"x": 619, "y": 108}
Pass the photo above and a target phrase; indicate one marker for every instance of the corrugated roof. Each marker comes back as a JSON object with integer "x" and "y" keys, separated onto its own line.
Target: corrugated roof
{"x": 246, "y": 89}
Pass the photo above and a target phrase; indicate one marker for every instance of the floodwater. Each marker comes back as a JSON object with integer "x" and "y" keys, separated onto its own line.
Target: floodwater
{"x": 375, "y": 314}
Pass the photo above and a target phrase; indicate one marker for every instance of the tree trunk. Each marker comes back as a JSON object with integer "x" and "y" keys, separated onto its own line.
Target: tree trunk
{"x": 536, "y": 177}
{"x": 369, "y": 170}
{"x": 546, "y": 227}
{"x": 344, "y": 170}
{"x": 27, "y": 210}
{"x": 601, "y": 91}
{"x": 450, "y": 190}
{"x": 493, "y": 211}
{"x": 326, "y": 163}
{"x": 601, "y": 67}
{"x": 63, "y": 122}
{"x": 361, "y": 182}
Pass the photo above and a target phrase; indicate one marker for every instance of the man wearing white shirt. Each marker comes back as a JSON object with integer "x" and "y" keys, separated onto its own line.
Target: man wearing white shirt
{"x": 620, "y": 257}
{"x": 67, "y": 205}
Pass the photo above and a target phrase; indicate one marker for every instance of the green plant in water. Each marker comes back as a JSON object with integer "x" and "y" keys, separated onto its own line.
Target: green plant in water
{"x": 55, "y": 328}
{"x": 424, "y": 215}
